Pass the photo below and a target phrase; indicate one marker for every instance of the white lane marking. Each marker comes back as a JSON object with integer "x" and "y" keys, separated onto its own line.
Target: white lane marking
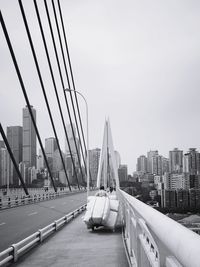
{"x": 2, "y": 223}
{"x": 52, "y": 207}
{"x": 33, "y": 213}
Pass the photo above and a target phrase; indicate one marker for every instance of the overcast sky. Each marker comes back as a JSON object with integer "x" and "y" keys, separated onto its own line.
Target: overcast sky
{"x": 136, "y": 62}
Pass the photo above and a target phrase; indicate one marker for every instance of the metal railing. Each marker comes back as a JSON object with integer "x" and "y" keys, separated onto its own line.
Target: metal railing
{"x": 19, "y": 201}
{"x": 153, "y": 239}
{"x": 12, "y": 253}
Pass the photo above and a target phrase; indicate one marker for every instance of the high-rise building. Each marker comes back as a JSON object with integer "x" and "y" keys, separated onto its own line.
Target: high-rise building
{"x": 3, "y": 166}
{"x": 29, "y": 138}
{"x": 176, "y": 161}
{"x": 123, "y": 172}
{"x": 192, "y": 162}
{"x": 157, "y": 165}
{"x": 174, "y": 181}
{"x": 14, "y": 136}
{"x": 94, "y": 156}
{"x": 40, "y": 160}
{"x": 73, "y": 143}
{"x": 165, "y": 165}
{"x": 118, "y": 158}
{"x": 50, "y": 146}
{"x": 182, "y": 198}
{"x": 191, "y": 166}
{"x": 150, "y": 156}
{"x": 142, "y": 164}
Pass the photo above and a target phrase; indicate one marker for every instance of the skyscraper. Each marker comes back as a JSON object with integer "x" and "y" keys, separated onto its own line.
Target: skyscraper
{"x": 123, "y": 172}
{"x": 191, "y": 166}
{"x": 142, "y": 164}
{"x": 72, "y": 143}
{"x": 3, "y": 166}
{"x": 50, "y": 146}
{"x": 94, "y": 156}
{"x": 14, "y": 136}
{"x": 150, "y": 156}
{"x": 29, "y": 138}
{"x": 176, "y": 161}
{"x": 157, "y": 165}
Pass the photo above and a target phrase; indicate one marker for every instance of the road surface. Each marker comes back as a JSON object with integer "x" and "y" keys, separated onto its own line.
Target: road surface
{"x": 18, "y": 223}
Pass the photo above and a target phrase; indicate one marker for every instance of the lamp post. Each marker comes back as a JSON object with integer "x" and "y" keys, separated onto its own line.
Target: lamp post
{"x": 88, "y": 176}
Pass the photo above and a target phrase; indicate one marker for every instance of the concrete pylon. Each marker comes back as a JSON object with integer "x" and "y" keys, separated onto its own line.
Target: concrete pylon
{"x": 107, "y": 171}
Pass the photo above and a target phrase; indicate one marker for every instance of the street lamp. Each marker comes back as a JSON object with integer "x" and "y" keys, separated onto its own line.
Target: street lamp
{"x": 88, "y": 177}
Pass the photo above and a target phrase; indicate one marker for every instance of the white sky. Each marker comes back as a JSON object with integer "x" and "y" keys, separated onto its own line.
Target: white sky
{"x": 137, "y": 62}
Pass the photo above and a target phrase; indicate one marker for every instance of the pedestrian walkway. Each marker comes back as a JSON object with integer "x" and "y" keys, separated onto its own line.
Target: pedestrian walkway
{"x": 75, "y": 245}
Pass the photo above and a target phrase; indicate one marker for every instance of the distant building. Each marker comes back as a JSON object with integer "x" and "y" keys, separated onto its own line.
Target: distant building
{"x": 73, "y": 143}
{"x": 191, "y": 166}
{"x": 29, "y": 138}
{"x": 118, "y": 158}
{"x": 32, "y": 175}
{"x": 176, "y": 161}
{"x": 14, "y": 136}
{"x": 192, "y": 162}
{"x": 142, "y": 164}
{"x": 169, "y": 200}
{"x": 182, "y": 198}
{"x": 24, "y": 172}
{"x": 123, "y": 173}
{"x": 50, "y": 147}
{"x": 3, "y": 166}
{"x": 174, "y": 181}
{"x": 194, "y": 198}
{"x": 157, "y": 165}
{"x": 150, "y": 156}
{"x": 94, "y": 156}
{"x": 165, "y": 165}
{"x": 40, "y": 160}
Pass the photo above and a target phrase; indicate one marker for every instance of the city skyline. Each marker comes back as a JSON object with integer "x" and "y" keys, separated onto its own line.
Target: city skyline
{"x": 140, "y": 70}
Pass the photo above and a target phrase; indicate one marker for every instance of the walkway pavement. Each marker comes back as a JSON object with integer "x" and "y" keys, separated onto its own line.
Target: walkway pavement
{"x": 75, "y": 245}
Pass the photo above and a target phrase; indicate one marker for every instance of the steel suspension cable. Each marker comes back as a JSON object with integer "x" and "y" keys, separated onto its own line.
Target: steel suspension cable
{"x": 54, "y": 85}
{"x": 68, "y": 82}
{"x": 62, "y": 81}
{"x": 25, "y": 94}
{"x": 13, "y": 159}
{"x": 71, "y": 72}
{"x": 42, "y": 86}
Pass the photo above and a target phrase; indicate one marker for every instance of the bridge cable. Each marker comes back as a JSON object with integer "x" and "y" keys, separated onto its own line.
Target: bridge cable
{"x": 55, "y": 87}
{"x": 71, "y": 71}
{"x": 13, "y": 159}
{"x": 68, "y": 82}
{"x": 25, "y": 94}
{"x": 43, "y": 88}
{"x": 62, "y": 82}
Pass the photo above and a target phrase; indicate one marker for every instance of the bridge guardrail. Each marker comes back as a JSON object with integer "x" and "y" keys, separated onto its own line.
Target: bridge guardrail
{"x": 34, "y": 198}
{"x": 153, "y": 239}
{"x": 16, "y": 250}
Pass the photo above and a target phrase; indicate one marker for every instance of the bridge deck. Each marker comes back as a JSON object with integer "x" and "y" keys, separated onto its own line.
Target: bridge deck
{"x": 75, "y": 245}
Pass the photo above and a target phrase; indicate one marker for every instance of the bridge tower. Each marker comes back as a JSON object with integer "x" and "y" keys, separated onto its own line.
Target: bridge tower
{"x": 107, "y": 171}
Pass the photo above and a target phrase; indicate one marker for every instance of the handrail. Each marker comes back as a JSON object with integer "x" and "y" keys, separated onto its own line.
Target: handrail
{"x": 175, "y": 242}
{"x": 34, "y": 198}
{"x": 16, "y": 250}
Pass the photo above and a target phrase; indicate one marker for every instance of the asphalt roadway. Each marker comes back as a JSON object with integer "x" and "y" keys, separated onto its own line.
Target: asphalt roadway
{"x": 20, "y": 222}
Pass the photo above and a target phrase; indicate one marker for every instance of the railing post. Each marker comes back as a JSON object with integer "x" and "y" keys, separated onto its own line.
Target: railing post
{"x": 40, "y": 235}
{"x": 56, "y": 225}
{"x": 15, "y": 252}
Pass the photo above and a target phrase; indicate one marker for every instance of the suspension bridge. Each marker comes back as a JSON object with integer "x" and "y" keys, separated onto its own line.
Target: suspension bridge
{"x": 33, "y": 234}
